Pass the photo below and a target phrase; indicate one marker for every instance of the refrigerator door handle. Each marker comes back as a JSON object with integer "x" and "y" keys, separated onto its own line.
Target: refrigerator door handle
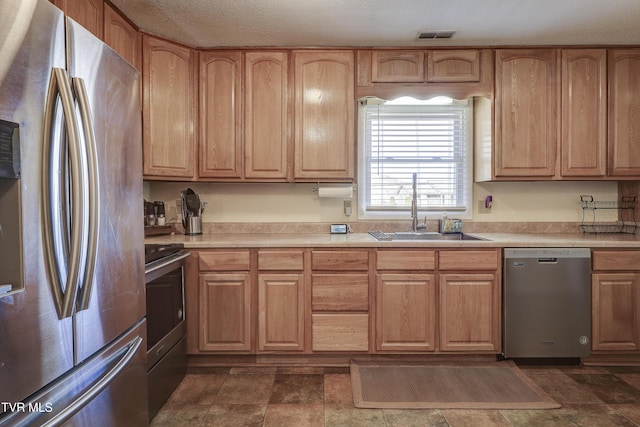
{"x": 95, "y": 389}
{"x": 92, "y": 221}
{"x": 62, "y": 197}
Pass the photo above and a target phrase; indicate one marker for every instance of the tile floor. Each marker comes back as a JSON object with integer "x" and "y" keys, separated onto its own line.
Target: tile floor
{"x": 268, "y": 396}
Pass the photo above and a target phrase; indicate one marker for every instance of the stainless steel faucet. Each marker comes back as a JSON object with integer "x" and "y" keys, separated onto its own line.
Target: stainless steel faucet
{"x": 414, "y": 207}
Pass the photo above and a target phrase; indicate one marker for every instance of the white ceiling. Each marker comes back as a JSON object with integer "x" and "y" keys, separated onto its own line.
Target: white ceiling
{"x": 229, "y": 23}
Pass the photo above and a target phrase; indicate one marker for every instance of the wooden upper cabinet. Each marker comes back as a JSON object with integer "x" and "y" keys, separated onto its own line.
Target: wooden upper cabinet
{"x": 624, "y": 112}
{"x": 584, "y": 112}
{"x": 407, "y": 66}
{"x": 424, "y": 73}
{"x": 122, "y": 37}
{"x": 526, "y": 113}
{"x": 266, "y": 114}
{"x": 88, "y": 13}
{"x": 169, "y": 109}
{"x": 324, "y": 115}
{"x": 220, "y": 150}
{"x": 453, "y": 66}
{"x": 397, "y": 66}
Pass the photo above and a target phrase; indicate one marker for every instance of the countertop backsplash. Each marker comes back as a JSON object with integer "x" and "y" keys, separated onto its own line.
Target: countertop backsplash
{"x": 390, "y": 226}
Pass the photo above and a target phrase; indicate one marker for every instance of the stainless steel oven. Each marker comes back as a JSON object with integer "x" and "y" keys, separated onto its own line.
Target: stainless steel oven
{"x": 166, "y": 331}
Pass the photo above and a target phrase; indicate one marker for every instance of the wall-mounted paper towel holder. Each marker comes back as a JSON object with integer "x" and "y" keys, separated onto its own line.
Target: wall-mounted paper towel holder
{"x": 342, "y": 191}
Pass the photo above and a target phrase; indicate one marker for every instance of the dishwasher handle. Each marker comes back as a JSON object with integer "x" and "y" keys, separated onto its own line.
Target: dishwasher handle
{"x": 547, "y": 260}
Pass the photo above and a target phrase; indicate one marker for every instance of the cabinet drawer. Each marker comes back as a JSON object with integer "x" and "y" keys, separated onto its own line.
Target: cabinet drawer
{"x": 616, "y": 260}
{"x": 340, "y": 332}
{"x": 340, "y": 292}
{"x": 406, "y": 260}
{"x": 340, "y": 260}
{"x": 469, "y": 260}
{"x": 280, "y": 260}
{"x": 224, "y": 261}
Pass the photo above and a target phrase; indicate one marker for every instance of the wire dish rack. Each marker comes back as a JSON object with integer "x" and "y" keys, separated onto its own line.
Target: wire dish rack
{"x": 626, "y": 215}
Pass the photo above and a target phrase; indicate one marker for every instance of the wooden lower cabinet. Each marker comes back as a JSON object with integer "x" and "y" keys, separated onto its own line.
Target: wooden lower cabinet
{"x": 470, "y": 300}
{"x": 469, "y": 312}
{"x": 304, "y": 301}
{"x": 281, "y": 300}
{"x": 406, "y": 312}
{"x": 280, "y": 312}
{"x": 340, "y": 331}
{"x": 615, "y": 293}
{"x": 225, "y": 312}
{"x": 340, "y": 311}
{"x": 339, "y": 300}
{"x": 453, "y": 305}
{"x": 616, "y": 311}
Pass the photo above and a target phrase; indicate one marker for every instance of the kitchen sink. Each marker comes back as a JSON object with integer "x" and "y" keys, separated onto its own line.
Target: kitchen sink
{"x": 421, "y": 235}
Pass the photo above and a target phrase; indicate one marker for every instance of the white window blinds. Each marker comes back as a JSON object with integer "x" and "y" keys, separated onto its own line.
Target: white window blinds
{"x": 432, "y": 140}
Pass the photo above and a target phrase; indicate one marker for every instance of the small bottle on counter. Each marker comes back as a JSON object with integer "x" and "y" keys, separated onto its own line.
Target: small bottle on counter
{"x": 160, "y": 214}
{"x": 150, "y": 217}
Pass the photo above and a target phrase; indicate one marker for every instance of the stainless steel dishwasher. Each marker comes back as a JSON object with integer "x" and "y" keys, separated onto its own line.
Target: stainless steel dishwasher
{"x": 547, "y": 302}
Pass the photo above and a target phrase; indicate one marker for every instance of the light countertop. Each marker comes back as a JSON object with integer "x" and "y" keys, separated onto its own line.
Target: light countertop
{"x": 355, "y": 240}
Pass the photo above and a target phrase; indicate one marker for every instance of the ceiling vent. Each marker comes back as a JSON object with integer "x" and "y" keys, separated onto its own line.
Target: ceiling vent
{"x": 431, "y": 35}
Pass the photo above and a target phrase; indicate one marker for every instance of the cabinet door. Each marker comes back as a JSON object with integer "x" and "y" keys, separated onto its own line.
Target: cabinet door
{"x": 324, "y": 115}
{"x": 122, "y": 37}
{"x": 584, "y": 112}
{"x": 220, "y": 151}
{"x": 225, "y": 315}
{"x": 405, "y": 312}
{"x": 169, "y": 109}
{"x": 397, "y": 66}
{"x": 624, "y": 112}
{"x": 453, "y": 66}
{"x": 280, "y": 312}
{"x": 616, "y": 311}
{"x": 526, "y": 109}
{"x": 88, "y": 13}
{"x": 266, "y": 107}
{"x": 469, "y": 312}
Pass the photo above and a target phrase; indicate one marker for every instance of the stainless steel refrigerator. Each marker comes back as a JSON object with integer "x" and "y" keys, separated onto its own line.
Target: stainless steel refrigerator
{"x": 72, "y": 328}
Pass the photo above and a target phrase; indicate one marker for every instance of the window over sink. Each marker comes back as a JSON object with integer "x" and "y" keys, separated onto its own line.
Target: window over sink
{"x": 432, "y": 138}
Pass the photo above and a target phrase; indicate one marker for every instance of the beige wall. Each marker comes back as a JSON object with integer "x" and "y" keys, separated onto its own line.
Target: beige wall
{"x": 246, "y": 202}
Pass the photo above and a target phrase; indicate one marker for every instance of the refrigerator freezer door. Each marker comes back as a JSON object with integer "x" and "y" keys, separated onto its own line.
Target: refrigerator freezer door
{"x": 109, "y": 389}
{"x": 116, "y": 300}
{"x": 35, "y": 346}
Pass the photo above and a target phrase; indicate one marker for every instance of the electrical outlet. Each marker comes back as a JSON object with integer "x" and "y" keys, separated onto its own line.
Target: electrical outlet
{"x": 347, "y": 207}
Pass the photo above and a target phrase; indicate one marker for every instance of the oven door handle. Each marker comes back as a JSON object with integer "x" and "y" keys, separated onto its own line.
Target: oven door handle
{"x": 168, "y": 261}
